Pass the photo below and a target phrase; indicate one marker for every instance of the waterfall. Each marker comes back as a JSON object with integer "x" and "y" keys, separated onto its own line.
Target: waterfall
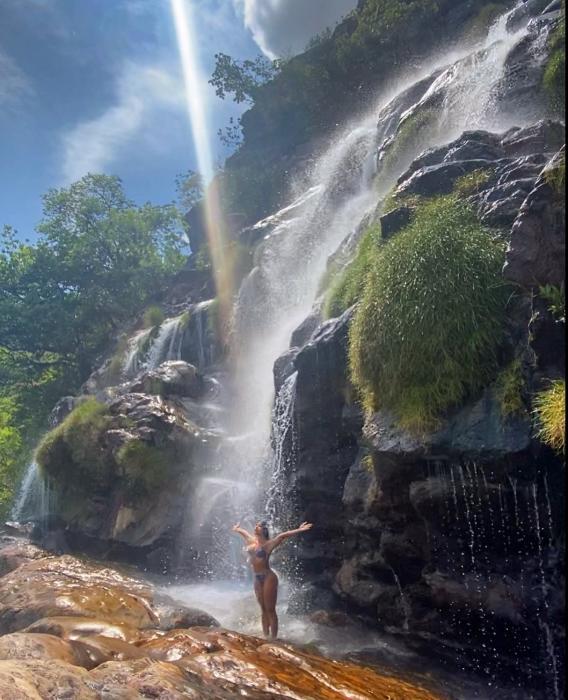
{"x": 136, "y": 353}
{"x": 35, "y": 497}
{"x": 28, "y": 491}
{"x": 167, "y": 345}
{"x": 329, "y": 206}
{"x": 283, "y": 453}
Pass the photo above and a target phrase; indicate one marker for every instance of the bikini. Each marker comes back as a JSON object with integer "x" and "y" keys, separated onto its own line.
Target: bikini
{"x": 261, "y": 554}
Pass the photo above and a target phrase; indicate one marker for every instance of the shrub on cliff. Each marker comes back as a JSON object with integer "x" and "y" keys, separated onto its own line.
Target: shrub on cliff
{"x": 347, "y": 287}
{"x": 430, "y": 321}
{"x": 554, "y": 80}
{"x": 550, "y": 410}
{"x": 75, "y": 451}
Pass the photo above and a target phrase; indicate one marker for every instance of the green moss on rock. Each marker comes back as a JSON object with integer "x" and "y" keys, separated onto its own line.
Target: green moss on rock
{"x": 554, "y": 79}
{"x": 347, "y": 285}
{"x": 76, "y": 451}
{"x": 430, "y": 322}
{"x": 145, "y": 468}
{"x": 509, "y": 389}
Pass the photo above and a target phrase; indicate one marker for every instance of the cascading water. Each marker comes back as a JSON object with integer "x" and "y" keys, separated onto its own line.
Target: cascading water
{"x": 167, "y": 345}
{"x": 35, "y": 498}
{"x": 329, "y": 206}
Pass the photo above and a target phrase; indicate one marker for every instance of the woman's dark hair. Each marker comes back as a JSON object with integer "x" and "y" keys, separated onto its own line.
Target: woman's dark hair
{"x": 265, "y": 530}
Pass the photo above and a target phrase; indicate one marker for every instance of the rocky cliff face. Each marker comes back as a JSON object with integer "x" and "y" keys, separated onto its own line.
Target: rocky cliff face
{"x": 453, "y": 538}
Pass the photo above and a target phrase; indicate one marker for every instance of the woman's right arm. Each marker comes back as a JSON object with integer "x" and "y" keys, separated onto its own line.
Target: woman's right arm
{"x": 243, "y": 533}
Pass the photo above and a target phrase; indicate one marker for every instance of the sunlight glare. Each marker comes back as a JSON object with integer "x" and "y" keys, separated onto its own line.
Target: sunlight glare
{"x": 196, "y": 98}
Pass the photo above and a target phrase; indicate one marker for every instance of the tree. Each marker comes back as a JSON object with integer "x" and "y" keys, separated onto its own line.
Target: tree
{"x": 190, "y": 189}
{"x": 98, "y": 260}
{"x": 10, "y": 447}
{"x": 243, "y": 79}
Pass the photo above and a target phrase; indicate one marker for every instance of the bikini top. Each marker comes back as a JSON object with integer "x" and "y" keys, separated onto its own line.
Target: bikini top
{"x": 260, "y": 553}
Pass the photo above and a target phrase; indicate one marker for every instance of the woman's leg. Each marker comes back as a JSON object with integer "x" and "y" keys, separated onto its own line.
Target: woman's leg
{"x": 270, "y": 597}
{"x": 259, "y": 592}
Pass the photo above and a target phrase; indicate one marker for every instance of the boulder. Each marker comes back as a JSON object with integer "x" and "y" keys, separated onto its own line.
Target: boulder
{"x": 170, "y": 379}
{"x": 536, "y": 254}
{"x": 41, "y": 679}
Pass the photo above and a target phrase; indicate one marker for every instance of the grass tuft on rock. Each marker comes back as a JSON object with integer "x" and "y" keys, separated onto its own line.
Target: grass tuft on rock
{"x": 472, "y": 183}
{"x": 429, "y": 325}
{"x": 347, "y": 286}
{"x": 75, "y": 450}
{"x": 153, "y": 316}
{"x": 509, "y": 389}
{"x": 550, "y": 410}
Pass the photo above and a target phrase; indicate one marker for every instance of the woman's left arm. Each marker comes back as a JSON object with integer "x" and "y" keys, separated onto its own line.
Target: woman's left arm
{"x": 283, "y": 536}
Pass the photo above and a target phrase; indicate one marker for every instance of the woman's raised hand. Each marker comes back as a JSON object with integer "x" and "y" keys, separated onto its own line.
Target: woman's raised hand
{"x": 304, "y": 527}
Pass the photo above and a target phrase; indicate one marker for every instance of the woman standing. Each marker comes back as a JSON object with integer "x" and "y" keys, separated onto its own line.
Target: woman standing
{"x": 259, "y": 548}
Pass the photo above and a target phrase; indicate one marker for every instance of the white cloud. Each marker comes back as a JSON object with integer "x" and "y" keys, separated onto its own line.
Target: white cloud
{"x": 15, "y": 87}
{"x": 143, "y": 94}
{"x": 284, "y": 27}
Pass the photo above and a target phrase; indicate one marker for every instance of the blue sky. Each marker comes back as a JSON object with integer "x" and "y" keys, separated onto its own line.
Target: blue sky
{"x": 95, "y": 85}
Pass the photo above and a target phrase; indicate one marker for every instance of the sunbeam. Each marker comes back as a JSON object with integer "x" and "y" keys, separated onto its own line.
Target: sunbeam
{"x": 196, "y": 99}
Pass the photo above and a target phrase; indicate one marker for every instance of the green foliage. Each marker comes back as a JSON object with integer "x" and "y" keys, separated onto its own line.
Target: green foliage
{"x": 97, "y": 261}
{"x": 554, "y": 79}
{"x": 153, "y": 316}
{"x": 347, "y": 287}
{"x": 556, "y": 178}
{"x": 509, "y": 389}
{"x": 145, "y": 468}
{"x": 76, "y": 450}
{"x": 11, "y": 446}
{"x": 471, "y": 184}
{"x": 550, "y": 410}
{"x": 556, "y": 299}
{"x": 242, "y": 79}
{"x": 414, "y": 134}
{"x": 428, "y": 327}
{"x": 190, "y": 189}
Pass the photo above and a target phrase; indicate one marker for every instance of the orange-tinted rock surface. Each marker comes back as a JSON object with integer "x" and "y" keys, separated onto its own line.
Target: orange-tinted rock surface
{"x": 82, "y": 631}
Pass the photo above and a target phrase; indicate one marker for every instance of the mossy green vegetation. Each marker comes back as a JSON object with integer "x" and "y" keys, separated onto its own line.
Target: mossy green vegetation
{"x": 75, "y": 451}
{"x": 556, "y": 178}
{"x": 347, "y": 285}
{"x": 413, "y": 135}
{"x": 554, "y": 79}
{"x": 510, "y": 386}
{"x": 472, "y": 183}
{"x": 428, "y": 327}
{"x": 555, "y": 296}
{"x": 550, "y": 410}
{"x": 153, "y": 316}
{"x": 145, "y": 467}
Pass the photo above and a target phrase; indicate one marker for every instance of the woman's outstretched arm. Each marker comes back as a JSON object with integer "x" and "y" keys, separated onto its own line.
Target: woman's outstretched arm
{"x": 245, "y": 534}
{"x": 283, "y": 536}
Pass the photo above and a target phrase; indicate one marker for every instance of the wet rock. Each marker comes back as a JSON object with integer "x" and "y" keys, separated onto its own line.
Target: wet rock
{"x": 536, "y": 255}
{"x": 74, "y": 628}
{"x": 305, "y": 330}
{"x": 394, "y": 221}
{"x": 284, "y": 368}
{"x": 64, "y": 586}
{"x": 36, "y": 646}
{"x": 175, "y": 616}
{"x": 45, "y": 680}
{"x": 170, "y": 379}
{"x": 544, "y": 137}
{"x": 478, "y": 431}
{"x": 439, "y": 179}
{"x": 17, "y": 553}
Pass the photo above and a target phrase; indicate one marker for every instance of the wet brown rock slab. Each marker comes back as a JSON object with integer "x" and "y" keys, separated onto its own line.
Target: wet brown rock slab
{"x": 79, "y": 630}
